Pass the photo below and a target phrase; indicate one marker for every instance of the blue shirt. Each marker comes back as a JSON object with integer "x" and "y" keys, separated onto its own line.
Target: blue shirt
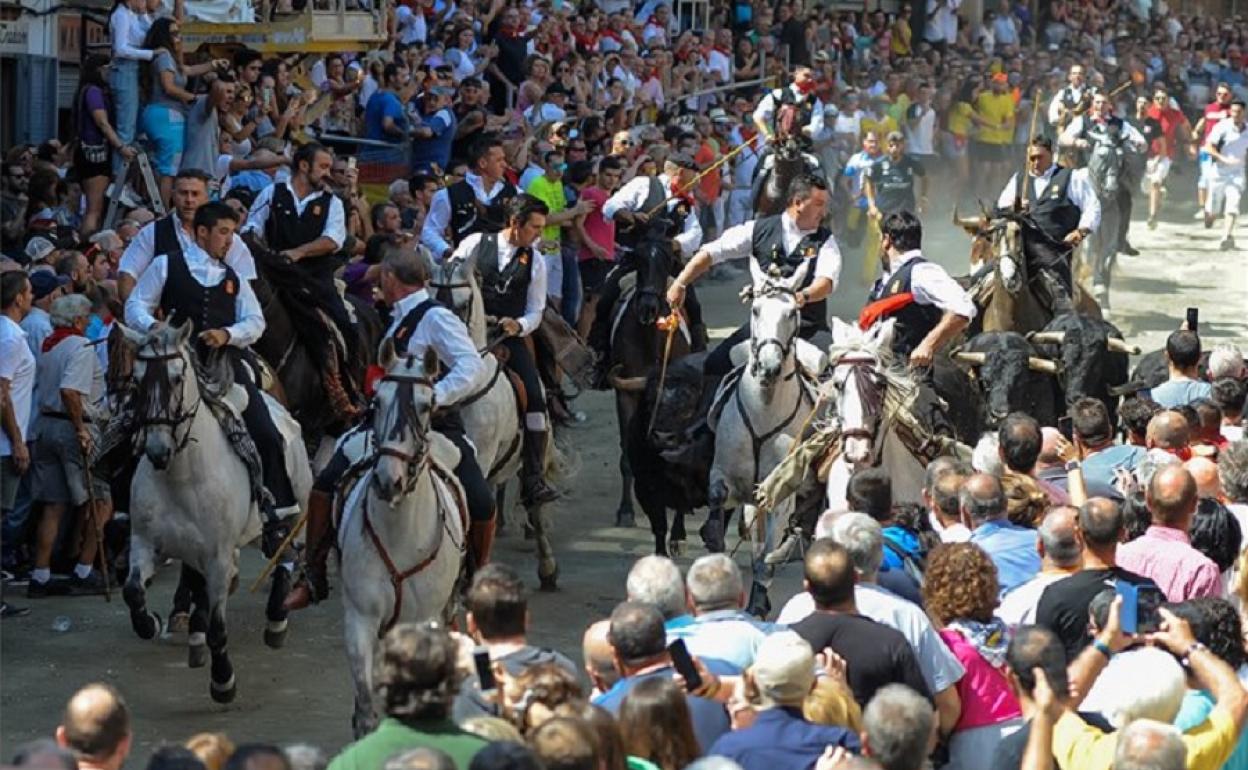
{"x": 1012, "y": 548}
{"x": 710, "y": 718}
{"x": 906, "y": 541}
{"x": 382, "y": 105}
{"x": 780, "y": 739}
{"x": 1099, "y": 467}
{"x": 732, "y": 636}
{"x": 1175, "y": 393}
{"x": 426, "y": 152}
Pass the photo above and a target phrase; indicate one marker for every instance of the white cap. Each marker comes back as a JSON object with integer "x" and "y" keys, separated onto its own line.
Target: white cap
{"x": 38, "y": 248}
{"x": 784, "y": 668}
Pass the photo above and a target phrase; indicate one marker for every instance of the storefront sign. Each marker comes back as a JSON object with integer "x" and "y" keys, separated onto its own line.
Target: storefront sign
{"x": 14, "y": 37}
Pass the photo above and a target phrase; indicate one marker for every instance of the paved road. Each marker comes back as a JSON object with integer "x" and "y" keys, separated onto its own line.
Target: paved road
{"x": 303, "y": 692}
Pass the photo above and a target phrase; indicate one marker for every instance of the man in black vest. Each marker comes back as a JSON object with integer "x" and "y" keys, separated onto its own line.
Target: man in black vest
{"x": 197, "y": 286}
{"x": 169, "y": 234}
{"x": 419, "y": 323}
{"x": 631, "y": 208}
{"x": 475, "y": 204}
{"x": 808, "y": 123}
{"x": 928, "y": 306}
{"x": 1063, "y": 205}
{"x": 793, "y": 248}
{"x": 512, "y": 273}
{"x": 304, "y": 221}
{"x": 1070, "y": 101}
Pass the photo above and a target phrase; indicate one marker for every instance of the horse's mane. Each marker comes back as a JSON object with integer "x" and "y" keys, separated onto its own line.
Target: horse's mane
{"x": 213, "y": 374}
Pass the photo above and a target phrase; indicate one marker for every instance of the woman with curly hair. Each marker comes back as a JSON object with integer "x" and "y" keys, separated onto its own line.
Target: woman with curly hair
{"x": 657, "y": 726}
{"x": 960, "y": 592}
{"x": 532, "y": 697}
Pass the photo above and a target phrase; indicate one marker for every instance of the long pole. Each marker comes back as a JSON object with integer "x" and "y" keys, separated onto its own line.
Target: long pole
{"x": 1020, "y": 192}
{"x": 92, "y": 511}
{"x": 687, "y": 187}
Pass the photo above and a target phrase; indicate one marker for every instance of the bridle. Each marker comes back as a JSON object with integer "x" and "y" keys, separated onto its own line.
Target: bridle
{"x": 407, "y": 418}
{"x": 870, "y": 386}
{"x": 179, "y": 415}
{"x": 443, "y": 289}
{"x": 785, "y": 345}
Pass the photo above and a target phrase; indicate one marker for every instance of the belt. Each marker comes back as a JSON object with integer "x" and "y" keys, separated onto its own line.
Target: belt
{"x": 61, "y": 415}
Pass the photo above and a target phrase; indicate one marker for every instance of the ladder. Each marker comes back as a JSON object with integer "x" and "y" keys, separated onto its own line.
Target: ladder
{"x": 119, "y": 188}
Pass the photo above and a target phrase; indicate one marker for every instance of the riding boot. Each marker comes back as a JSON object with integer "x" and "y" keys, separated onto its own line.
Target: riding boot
{"x": 1061, "y": 299}
{"x": 481, "y": 541}
{"x": 313, "y": 585}
{"x": 533, "y": 486}
{"x": 699, "y": 338}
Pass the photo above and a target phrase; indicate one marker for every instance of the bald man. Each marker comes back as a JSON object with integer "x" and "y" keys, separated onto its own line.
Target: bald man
{"x": 1013, "y": 549}
{"x": 1205, "y": 473}
{"x": 1170, "y": 431}
{"x": 596, "y": 652}
{"x": 1164, "y": 553}
{"x": 96, "y": 727}
{"x": 1061, "y": 555}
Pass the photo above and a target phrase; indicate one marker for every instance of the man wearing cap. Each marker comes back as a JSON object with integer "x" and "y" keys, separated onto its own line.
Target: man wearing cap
{"x": 631, "y": 208}
{"x": 809, "y": 123}
{"x": 792, "y": 248}
{"x": 1063, "y": 205}
{"x": 433, "y": 128}
{"x": 39, "y": 249}
{"x": 551, "y": 107}
{"x": 172, "y": 234}
{"x": 1069, "y": 102}
{"x": 778, "y": 736}
{"x": 37, "y": 324}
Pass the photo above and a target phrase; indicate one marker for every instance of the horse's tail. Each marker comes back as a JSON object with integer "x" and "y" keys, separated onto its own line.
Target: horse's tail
{"x": 563, "y": 461}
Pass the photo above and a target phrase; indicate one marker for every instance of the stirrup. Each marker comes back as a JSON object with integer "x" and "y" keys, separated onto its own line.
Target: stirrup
{"x": 272, "y": 536}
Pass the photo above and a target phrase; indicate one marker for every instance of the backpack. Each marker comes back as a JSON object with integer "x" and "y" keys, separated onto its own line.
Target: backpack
{"x": 910, "y": 564}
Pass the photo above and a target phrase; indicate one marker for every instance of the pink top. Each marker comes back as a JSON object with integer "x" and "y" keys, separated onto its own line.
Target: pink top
{"x": 985, "y": 693}
{"x": 1166, "y": 556}
{"x": 600, "y": 229}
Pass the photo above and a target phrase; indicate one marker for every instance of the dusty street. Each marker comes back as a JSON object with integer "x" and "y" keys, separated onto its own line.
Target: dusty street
{"x": 303, "y": 693}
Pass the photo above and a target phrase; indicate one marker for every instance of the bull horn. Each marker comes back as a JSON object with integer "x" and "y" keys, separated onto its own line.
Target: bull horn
{"x": 969, "y": 224}
{"x": 983, "y": 210}
{"x": 1038, "y": 364}
{"x": 1047, "y": 338}
{"x": 626, "y": 384}
{"x": 974, "y": 359}
{"x": 1116, "y": 345}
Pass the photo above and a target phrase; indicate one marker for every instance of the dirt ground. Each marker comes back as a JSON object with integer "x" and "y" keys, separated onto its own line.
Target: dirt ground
{"x": 303, "y": 692}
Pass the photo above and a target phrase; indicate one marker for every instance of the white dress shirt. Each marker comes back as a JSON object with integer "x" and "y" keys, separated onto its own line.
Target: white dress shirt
{"x": 535, "y": 298}
{"x": 127, "y": 30}
{"x": 142, "y": 250}
{"x": 446, "y": 334}
{"x": 766, "y": 110}
{"x": 433, "y": 232}
{"x": 145, "y": 299}
{"x": 1080, "y": 192}
{"x": 1074, "y": 131}
{"x": 1057, "y": 103}
{"x": 737, "y": 242}
{"x": 335, "y": 223}
{"x": 931, "y": 285}
{"x": 17, "y": 369}
{"x": 632, "y": 197}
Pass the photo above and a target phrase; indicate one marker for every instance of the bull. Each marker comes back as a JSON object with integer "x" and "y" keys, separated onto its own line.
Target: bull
{"x": 669, "y": 447}
{"x": 1094, "y": 358}
{"x": 1011, "y": 377}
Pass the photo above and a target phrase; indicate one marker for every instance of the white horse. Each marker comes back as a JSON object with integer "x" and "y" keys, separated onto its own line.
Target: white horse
{"x": 863, "y": 370}
{"x": 492, "y": 414}
{"x": 191, "y": 496}
{"x": 404, "y": 527}
{"x": 762, "y": 413}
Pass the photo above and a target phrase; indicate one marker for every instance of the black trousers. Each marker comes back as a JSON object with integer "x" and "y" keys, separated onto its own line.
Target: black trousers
{"x": 476, "y": 489}
{"x": 267, "y": 438}
{"x": 520, "y": 361}
{"x": 600, "y": 331}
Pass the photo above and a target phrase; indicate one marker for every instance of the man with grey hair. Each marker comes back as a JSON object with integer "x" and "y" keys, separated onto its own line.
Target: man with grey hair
{"x": 1060, "y": 546}
{"x": 898, "y": 728}
{"x": 1226, "y": 360}
{"x": 69, "y": 404}
{"x": 942, "y": 481}
{"x": 1147, "y": 744}
{"x": 1012, "y": 548}
{"x": 863, "y": 538}
{"x": 420, "y": 324}
{"x": 656, "y": 580}
{"x": 719, "y": 627}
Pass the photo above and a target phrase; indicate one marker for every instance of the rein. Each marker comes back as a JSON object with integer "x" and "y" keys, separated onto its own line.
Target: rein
{"x": 153, "y": 380}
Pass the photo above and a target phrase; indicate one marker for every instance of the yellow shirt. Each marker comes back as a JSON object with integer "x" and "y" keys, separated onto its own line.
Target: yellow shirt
{"x": 998, "y": 110}
{"x": 960, "y": 119}
{"x": 881, "y": 127}
{"x": 1079, "y": 746}
{"x": 900, "y": 41}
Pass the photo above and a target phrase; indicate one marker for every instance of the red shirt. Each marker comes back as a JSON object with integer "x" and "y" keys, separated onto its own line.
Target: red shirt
{"x": 1170, "y": 119}
{"x": 1214, "y": 113}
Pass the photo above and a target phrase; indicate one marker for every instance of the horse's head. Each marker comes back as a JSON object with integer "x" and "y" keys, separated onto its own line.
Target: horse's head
{"x": 774, "y": 319}
{"x": 1105, "y": 163}
{"x": 166, "y": 392}
{"x": 655, "y": 258}
{"x": 1007, "y": 255}
{"x": 454, "y": 282}
{"x": 402, "y": 410}
{"x": 858, "y": 362}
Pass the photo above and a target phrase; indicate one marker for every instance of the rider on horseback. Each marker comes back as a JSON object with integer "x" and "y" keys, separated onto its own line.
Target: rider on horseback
{"x": 794, "y": 111}
{"x": 1064, "y": 208}
{"x": 197, "y": 286}
{"x": 306, "y": 223}
{"x": 475, "y": 204}
{"x": 793, "y": 248}
{"x": 631, "y": 207}
{"x": 419, "y": 324}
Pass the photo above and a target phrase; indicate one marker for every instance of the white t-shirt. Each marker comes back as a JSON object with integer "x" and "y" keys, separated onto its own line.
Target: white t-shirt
{"x": 71, "y": 365}
{"x": 1232, "y": 142}
{"x": 17, "y": 365}
{"x": 921, "y": 131}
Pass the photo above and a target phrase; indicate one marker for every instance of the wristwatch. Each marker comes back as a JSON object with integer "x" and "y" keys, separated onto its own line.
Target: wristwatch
{"x": 1072, "y": 465}
{"x": 1196, "y": 647}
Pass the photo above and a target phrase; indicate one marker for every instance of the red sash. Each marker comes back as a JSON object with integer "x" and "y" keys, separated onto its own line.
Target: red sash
{"x": 883, "y": 308}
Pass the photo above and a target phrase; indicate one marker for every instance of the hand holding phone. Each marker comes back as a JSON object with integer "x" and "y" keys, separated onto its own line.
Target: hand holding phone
{"x": 682, "y": 661}
{"x": 1139, "y": 606}
{"x": 1193, "y": 319}
{"x": 485, "y": 670}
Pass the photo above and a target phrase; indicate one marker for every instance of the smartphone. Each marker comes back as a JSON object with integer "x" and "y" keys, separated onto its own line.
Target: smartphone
{"x": 1193, "y": 319}
{"x": 1065, "y": 424}
{"x": 351, "y": 162}
{"x": 485, "y": 671}
{"x": 1139, "y": 606}
{"x": 682, "y": 661}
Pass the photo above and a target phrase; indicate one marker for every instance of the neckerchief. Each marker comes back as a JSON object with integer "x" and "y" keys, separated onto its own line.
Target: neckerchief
{"x": 990, "y": 640}
{"x": 58, "y": 334}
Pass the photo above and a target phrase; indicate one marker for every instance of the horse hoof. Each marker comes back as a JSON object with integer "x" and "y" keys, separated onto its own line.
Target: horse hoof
{"x": 145, "y": 624}
{"x": 625, "y": 518}
{"x": 712, "y": 533}
{"x": 760, "y": 603}
{"x": 197, "y": 653}
{"x": 548, "y": 579}
{"x": 676, "y": 547}
{"x": 179, "y": 622}
{"x": 223, "y": 693}
{"x": 275, "y": 634}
